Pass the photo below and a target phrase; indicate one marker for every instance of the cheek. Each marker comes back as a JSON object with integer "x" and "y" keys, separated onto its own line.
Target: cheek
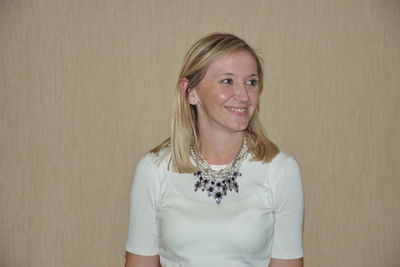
{"x": 222, "y": 97}
{"x": 225, "y": 93}
{"x": 216, "y": 97}
{"x": 254, "y": 97}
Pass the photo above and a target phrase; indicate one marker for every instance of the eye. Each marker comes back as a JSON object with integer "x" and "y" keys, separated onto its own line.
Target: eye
{"x": 226, "y": 81}
{"x": 252, "y": 82}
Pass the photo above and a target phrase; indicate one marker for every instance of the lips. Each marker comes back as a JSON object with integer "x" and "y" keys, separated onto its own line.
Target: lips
{"x": 240, "y": 110}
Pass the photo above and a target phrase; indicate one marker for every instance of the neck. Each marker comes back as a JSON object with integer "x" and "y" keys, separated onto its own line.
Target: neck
{"x": 220, "y": 148}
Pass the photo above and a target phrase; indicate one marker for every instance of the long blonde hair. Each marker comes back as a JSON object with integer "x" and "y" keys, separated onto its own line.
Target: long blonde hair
{"x": 184, "y": 131}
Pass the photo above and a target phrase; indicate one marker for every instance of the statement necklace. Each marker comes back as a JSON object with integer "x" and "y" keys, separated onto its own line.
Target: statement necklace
{"x": 217, "y": 183}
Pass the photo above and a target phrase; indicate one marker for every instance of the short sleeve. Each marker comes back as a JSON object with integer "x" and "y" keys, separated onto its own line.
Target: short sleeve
{"x": 142, "y": 233}
{"x": 288, "y": 197}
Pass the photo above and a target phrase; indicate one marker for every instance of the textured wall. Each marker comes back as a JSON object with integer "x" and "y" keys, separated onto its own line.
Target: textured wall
{"x": 86, "y": 88}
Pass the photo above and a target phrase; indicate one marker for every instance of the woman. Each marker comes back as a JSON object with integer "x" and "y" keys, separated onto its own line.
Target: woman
{"x": 217, "y": 192}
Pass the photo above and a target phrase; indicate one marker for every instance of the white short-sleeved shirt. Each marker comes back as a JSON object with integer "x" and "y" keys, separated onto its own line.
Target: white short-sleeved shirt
{"x": 187, "y": 228}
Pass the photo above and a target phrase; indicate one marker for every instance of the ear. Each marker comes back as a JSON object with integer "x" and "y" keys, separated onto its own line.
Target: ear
{"x": 192, "y": 95}
{"x": 183, "y": 85}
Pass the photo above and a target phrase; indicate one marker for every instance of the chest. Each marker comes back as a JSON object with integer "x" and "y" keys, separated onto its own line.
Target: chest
{"x": 193, "y": 222}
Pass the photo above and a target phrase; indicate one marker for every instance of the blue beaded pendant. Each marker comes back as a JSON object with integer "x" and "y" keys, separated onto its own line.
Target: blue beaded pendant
{"x": 217, "y": 188}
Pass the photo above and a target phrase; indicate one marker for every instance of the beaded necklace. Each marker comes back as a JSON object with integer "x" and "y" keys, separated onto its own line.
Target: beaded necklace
{"x": 217, "y": 182}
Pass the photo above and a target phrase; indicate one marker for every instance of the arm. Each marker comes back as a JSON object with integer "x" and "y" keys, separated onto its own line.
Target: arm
{"x": 134, "y": 260}
{"x": 287, "y": 250}
{"x": 142, "y": 243}
{"x": 286, "y": 263}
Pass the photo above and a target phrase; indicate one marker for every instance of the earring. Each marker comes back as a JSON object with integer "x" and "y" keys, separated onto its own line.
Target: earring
{"x": 192, "y": 98}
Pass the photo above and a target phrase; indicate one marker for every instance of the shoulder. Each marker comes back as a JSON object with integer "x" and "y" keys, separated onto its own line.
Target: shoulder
{"x": 154, "y": 161}
{"x": 284, "y": 171}
{"x": 148, "y": 176}
{"x": 146, "y": 162}
{"x": 283, "y": 161}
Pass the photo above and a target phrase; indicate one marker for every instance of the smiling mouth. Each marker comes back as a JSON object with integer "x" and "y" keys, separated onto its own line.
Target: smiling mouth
{"x": 238, "y": 110}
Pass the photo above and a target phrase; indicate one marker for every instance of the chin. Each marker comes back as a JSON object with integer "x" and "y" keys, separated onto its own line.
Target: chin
{"x": 239, "y": 127}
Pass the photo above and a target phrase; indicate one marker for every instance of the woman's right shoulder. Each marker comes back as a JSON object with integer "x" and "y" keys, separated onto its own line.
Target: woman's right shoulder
{"x": 150, "y": 169}
{"x": 159, "y": 160}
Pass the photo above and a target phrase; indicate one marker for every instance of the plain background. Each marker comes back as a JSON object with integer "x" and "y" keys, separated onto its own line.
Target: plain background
{"x": 86, "y": 89}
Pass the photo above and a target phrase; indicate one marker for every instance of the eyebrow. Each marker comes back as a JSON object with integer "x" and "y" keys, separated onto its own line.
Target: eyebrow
{"x": 232, "y": 74}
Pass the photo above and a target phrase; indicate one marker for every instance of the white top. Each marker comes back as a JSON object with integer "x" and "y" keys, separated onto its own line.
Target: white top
{"x": 189, "y": 229}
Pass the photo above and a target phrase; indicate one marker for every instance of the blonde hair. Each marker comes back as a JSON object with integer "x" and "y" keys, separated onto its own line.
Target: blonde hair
{"x": 184, "y": 131}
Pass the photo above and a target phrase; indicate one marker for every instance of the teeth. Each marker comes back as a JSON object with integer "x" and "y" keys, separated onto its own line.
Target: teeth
{"x": 237, "y": 109}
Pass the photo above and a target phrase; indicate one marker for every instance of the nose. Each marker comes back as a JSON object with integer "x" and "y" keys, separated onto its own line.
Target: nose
{"x": 241, "y": 93}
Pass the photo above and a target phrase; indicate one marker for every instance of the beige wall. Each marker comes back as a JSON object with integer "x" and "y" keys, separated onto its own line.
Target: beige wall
{"x": 86, "y": 89}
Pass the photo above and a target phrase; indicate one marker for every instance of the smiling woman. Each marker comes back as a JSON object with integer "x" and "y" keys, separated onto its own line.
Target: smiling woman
{"x": 218, "y": 192}
{"x": 227, "y": 96}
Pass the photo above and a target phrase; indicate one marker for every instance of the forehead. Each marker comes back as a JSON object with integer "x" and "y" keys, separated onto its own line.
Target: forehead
{"x": 241, "y": 62}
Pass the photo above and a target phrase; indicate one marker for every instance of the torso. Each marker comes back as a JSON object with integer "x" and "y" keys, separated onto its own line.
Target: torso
{"x": 195, "y": 231}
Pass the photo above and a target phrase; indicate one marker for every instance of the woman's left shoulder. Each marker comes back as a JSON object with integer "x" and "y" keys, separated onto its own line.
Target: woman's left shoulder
{"x": 284, "y": 164}
{"x": 285, "y": 175}
{"x": 284, "y": 159}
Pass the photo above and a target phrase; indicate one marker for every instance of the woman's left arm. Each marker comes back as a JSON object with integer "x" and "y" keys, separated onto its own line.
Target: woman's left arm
{"x": 286, "y": 263}
{"x": 287, "y": 249}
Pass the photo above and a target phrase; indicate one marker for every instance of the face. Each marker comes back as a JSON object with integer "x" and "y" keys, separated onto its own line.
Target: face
{"x": 228, "y": 95}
